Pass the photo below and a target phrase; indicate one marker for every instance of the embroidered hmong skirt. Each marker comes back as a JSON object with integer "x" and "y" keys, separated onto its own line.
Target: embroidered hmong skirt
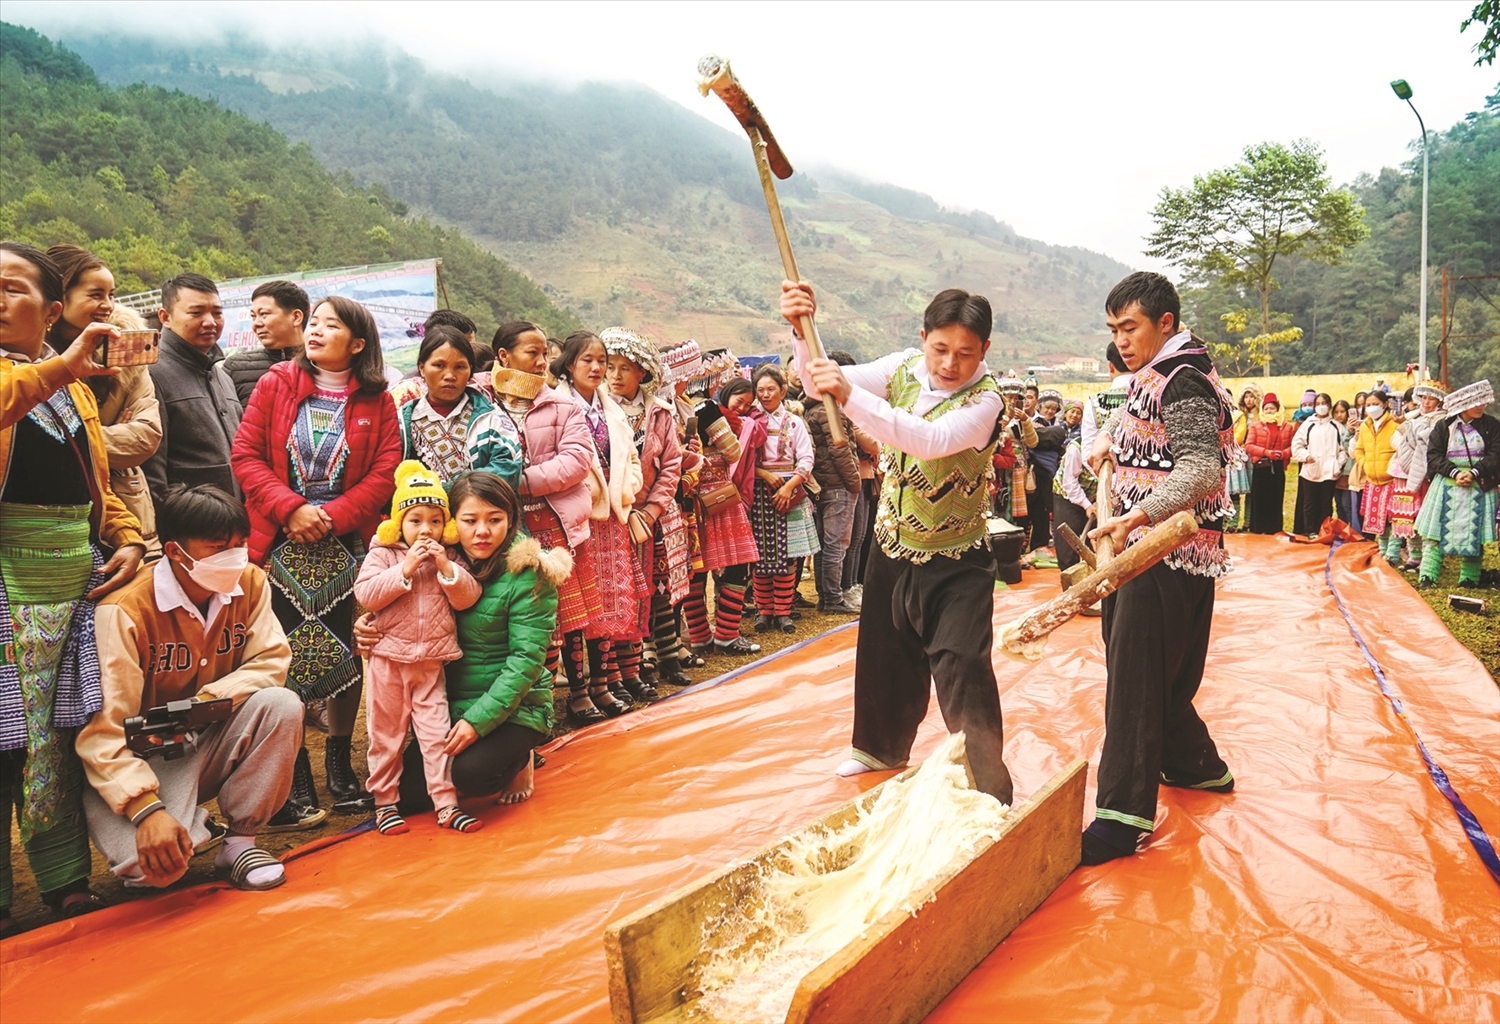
{"x": 46, "y": 563}
{"x": 1404, "y": 507}
{"x": 578, "y": 595}
{"x": 668, "y": 561}
{"x": 1018, "y": 508}
{"x": 781, "y": 538}
{"x": 724, "y": 535}
{"x": 624, "y": 584}
{"x": 1461, "y": 520}
{"x": 1375, "y": 508}
{"x": 1239, "y": 478}
{"x": 313, "y": 598}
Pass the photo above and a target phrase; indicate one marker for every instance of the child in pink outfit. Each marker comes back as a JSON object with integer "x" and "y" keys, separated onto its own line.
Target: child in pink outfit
{"x": 413, "y": 584}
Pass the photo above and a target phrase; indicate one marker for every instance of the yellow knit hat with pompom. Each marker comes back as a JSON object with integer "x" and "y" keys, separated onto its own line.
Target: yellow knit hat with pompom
{"x": 416, "y": 485}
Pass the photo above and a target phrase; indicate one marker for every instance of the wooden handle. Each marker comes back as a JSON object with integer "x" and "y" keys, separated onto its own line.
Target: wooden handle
{"x": 1079, "y": 547}
{"x": 1157, "y": 544}
{"x": 806, "y": 327}
{"x": 1104, "y": 547}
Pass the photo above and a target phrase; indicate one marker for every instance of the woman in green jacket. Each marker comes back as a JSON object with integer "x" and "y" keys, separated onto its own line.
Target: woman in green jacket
{"x": 499, "y": 695}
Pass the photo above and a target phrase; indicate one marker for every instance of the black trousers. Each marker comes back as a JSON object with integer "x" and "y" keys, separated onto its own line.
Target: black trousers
{"x": 929, "y": 622}
{"x": 1039, "y": 507}
{"x": 1066, "y": 512}
{"x": 1267, "y": 493}
{"x": 1155, "y": 641}
{"x": 484, "y": 769}
{"x": 1314, "y": 504}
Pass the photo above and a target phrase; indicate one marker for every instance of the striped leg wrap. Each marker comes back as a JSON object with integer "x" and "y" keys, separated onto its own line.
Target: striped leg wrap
{"x": 664, "y": 629}
{"x": 784, "y": 585}
{"x": 728, "y": 609}
{"x": 628, "y": 657}
{"x": 695, "y": 610}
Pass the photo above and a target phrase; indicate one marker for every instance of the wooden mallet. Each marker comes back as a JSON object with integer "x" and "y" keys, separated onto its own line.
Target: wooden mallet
{"x": 715, "y": 76}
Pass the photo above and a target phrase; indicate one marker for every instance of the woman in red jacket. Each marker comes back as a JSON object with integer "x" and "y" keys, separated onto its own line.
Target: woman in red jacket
{"x": 1268, "y": 442}
{"x": 316, "y": 456}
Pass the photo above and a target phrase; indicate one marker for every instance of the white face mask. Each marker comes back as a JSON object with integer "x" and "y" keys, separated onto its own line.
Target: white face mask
{"x": 1321, "y": 410}
{"x": 218, "y": 573}
{"x": 1374, "y": 412}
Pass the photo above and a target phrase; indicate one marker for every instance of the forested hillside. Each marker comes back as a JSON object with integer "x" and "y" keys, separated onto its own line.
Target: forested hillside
{"x": 1362, "y": 314}
{"x": 159, "y": 182}
{"x": 628, "y": 207}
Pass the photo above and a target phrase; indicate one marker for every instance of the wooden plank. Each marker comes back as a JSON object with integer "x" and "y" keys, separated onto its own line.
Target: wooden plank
{"x": 906, "y": 964}
{"x": 651, "y": 954}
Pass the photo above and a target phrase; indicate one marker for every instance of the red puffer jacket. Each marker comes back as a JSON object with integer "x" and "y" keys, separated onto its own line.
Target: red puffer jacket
{"x": 262, "y": 464}
{"x": 1270, "y": 441}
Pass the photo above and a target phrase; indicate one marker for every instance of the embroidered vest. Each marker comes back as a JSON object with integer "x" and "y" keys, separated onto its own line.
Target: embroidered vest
{"x": 933, "y": 506}
{"x": 1143, "y": 460}
{"x": 1086, "y": 478}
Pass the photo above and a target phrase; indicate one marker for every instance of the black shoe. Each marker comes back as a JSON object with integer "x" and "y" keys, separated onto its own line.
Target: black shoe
{"x": 672, "y": 674}
{"x": 293, "y": 817}
{"x": 304, "y": 790}
{"x": 838, "y": 608}
{"x": 217, "y": 830}
{"x": 621, "y": 694}
{"x": 798, "y": 601}
{"x": 1423, "y": 583}
{"x": 739, "y": 645}
{"x": 785, "y": 624}
{"x": 1220, "y": 785}
{"x": 588, "y": 714}
{"x": 762, "y": 623}
{"x": 349, "y": 796}
{"x": 641, "y": 691}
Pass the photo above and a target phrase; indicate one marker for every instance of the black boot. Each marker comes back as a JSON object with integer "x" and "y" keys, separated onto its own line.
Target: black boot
{"x": 349, "y": 796}
{"x": 301, "y": 809}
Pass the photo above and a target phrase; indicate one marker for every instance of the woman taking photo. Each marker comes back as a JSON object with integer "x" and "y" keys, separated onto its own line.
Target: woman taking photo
{"x": 128, "y": 410}
{"x": 1318, "y": 449}
{"x": 450, "y": 427}
{"x": 1411, "y": 456}
{"x": 664, "y": 547}
{"x": 606, "y": 566}
{"x": 316, "y": 456}
{"x": 782, "y": 516}
{"x": 499, "y": 695}
{"x": 59, "y": 523}
{"x": 1268, "y": 443}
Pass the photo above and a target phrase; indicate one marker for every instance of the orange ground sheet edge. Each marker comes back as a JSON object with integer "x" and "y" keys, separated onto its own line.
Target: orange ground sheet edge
{"x": 1334, "y": 883}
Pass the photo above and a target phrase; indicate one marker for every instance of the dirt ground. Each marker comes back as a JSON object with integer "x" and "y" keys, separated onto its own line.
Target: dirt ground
{"x": 29, "y": 912}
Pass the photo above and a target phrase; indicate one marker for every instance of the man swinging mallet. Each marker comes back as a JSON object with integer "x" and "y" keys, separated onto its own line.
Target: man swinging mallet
{"x": 930, "y": 582}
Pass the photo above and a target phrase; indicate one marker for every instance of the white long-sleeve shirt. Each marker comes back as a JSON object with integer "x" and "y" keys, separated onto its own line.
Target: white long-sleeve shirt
{"x": 1072, "y": 469}
{"x": 869, "y": 407}
{"x": 1090, "y": 425}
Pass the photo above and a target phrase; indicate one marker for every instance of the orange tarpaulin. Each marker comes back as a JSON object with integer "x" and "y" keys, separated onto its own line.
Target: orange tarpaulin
{"x": 1335, "y": 882}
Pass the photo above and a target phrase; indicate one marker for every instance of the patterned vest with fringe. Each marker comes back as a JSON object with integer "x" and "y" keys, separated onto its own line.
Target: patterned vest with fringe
{"x": 1143, "y": 460}
{"x": 933, "y": 506}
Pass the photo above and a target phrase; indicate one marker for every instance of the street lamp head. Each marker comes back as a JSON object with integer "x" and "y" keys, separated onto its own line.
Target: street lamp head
{"x": 1401, "y": 89}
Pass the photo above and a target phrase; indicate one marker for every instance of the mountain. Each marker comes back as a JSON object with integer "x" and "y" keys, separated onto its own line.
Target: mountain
{"x": 629, "y": 209}
{"x": 160, "y": 182}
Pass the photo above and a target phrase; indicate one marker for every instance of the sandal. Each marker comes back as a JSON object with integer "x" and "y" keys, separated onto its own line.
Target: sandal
{"x": 609, "y": 704}
{"x": 581, "y": 711}
{"x": 237, "y": 873}
{"x": 691, "y": 660}
{"x": 76, "y": 904}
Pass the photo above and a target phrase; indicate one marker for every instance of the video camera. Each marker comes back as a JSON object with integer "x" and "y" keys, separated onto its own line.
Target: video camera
{"x": 163, "y": 730}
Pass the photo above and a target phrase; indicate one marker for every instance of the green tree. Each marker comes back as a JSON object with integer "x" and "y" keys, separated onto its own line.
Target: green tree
{"x": 1233, "y": 224}
{"x": 1486, "y": 14}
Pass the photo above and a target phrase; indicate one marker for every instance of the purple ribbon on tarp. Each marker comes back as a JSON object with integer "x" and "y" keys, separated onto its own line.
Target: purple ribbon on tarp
{"x": 1472, "y": 828}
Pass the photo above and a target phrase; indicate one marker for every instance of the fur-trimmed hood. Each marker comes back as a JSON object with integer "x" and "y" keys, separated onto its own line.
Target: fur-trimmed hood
{"x": 553, "y": 565}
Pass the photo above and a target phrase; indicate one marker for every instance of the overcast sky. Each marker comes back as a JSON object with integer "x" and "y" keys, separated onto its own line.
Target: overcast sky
{"x": 1063, "y": 119}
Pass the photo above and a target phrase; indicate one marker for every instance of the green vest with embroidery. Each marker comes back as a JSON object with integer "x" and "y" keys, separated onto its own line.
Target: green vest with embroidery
{"x": 933, "y": 506}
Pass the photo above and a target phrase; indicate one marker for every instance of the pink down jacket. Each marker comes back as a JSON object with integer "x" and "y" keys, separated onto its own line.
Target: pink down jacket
{"x": 418, "y": 623}
{"x": 559, "y": 452}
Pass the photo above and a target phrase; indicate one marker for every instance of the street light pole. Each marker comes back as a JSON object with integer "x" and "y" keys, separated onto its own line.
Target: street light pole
{"x": 1403, "y": 91}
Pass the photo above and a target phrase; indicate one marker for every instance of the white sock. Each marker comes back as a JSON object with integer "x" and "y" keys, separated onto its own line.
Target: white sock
{"x": 852, "y": 767}
{"x": 230, "y": 852}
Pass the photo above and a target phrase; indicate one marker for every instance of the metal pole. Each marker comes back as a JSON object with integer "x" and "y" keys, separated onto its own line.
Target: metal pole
{"x": 1422, "y": 303}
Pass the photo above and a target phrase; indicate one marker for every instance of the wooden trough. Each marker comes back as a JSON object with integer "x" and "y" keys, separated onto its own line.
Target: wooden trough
{"x": 900, "y": 967}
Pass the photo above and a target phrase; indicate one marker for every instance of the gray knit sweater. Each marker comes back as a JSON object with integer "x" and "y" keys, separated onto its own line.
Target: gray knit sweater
{"x": 1190, "y": 410}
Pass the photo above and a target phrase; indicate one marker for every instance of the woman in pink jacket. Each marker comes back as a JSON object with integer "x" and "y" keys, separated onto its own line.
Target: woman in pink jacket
{"x": 664, "y": 546}
{"x": 558, "y": 452}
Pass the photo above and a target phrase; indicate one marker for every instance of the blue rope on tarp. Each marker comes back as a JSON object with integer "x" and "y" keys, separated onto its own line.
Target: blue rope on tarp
{"x": 1472, "y": 828}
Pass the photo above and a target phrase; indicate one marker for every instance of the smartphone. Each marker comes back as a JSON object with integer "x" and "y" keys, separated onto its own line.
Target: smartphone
{"x": 131, "y": 348}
